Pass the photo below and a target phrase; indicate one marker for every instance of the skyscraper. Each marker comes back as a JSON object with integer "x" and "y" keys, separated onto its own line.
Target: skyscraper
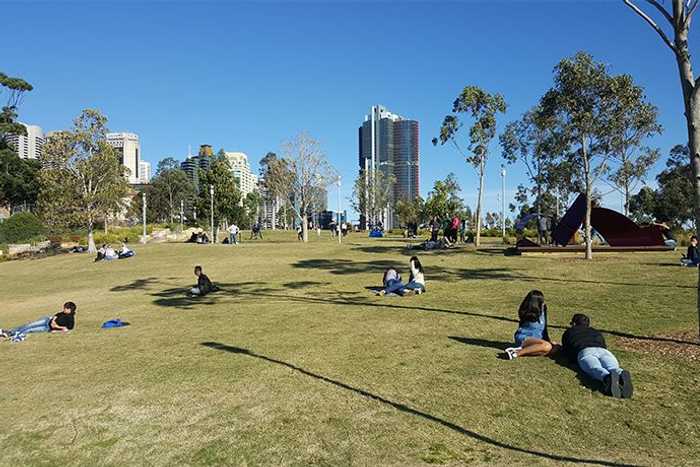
{"x": 29, "y": 146}
{"x": 389, "y": 142}
{"x": 247, "y": 180}
{"x": 192, "y": 164}
{"x": 128, "y": 149}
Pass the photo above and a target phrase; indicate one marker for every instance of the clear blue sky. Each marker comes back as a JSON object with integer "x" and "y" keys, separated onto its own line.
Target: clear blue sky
{"x": 246, "y": 76}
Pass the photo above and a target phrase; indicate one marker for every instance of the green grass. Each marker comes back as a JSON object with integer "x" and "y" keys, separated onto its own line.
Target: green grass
{"x": 331, "y": 374}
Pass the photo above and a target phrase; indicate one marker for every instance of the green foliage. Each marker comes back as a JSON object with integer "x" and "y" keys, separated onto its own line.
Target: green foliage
{"x": 19, "y": 182}
{"x": 14, "y": 88}
{"x": 21, "y": 227}
{"x": 443, "y": 201}
{"x": 673, "y": 201}
{"x": 168, "y": 189}
{"x": 81, "y": 178}
{"x": 227, "y": 196}
{"x": 411, "y": 211}
{"x": 371, "y": 194}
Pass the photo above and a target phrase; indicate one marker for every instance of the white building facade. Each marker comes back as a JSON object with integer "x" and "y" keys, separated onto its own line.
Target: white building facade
{"x": 247, "y": 180}
{"x": 128, "y": 148}
{"x": 144, "y": 172}
{"x": 29, "y": 146}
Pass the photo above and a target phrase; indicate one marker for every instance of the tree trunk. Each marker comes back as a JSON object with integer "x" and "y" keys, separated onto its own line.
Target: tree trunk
{"x": 274, "y": 213}
{"x": 589, "y": 204}
{"x": 477, "y": 238}
{"x": 305, "y": 228}
{"x": 539, "y": 213}
{"x": 692, "y": 116}
{"x": 91, "y": 239}
{"x": 627, "y": 200}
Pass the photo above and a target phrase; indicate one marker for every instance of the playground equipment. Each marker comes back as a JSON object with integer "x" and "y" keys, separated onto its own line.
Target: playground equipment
{"x": 619, "y": 232}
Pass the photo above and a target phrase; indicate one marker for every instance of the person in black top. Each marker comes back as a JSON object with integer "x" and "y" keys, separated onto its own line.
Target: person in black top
{"x": 62, "y": 321}
{"x": 586, "y": 346}
{"x": 204, "y": 285}
{"x": 692, "y": 257}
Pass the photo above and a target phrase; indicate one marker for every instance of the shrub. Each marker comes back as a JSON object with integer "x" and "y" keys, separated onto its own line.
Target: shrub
{"x": 21, "y": 227}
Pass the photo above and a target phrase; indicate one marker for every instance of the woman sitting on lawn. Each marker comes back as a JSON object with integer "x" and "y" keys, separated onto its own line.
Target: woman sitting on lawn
{"x": 531, "y": 337}
{"x": 391, "y": 283}
{"x": 416, "y": 281}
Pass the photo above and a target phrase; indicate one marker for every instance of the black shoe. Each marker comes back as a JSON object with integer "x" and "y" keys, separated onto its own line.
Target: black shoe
{"x": 611, "y": 385}
{"x": 626, "y": 384}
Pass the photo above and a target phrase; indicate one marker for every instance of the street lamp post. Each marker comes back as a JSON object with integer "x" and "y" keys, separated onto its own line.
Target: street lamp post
{"x": 340, "y": 216}
{"x": 143, "y": 198}
{"x": 211, "y": 193}
{"x": 503, "y": 201}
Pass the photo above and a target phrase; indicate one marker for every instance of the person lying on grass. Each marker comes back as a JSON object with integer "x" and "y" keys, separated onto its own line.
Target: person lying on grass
{"x": 204, "y": 285}
{"x": 391, "y": 281}
{"x": 62, "y": 321}
{"x": 586, "y": 346}
{"x": 531, "y": 337}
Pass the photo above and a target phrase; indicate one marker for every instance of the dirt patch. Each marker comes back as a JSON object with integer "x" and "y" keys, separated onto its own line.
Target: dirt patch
{"x": 682, "y": 345}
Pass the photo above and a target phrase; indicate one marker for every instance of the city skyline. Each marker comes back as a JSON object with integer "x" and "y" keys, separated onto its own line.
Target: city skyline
{"x": 180, "y": 88}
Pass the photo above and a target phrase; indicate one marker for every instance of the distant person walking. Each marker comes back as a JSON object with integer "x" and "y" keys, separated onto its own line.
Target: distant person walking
{"x": 586, "y": 346}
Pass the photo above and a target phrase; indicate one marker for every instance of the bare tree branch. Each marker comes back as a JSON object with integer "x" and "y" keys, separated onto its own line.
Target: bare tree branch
{"x": 651, "y": 23}
{"x": 691, "y": 5}
{"x": 663, "y": 11}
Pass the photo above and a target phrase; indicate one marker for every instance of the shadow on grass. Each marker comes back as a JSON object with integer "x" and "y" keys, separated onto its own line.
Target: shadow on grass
{"x": 439, "y": 273}
{"x": 137, "y": 284}
{"x": 410, "y": 410}
{"x": 498, "y": 345}
{"x": 589, "y": 383}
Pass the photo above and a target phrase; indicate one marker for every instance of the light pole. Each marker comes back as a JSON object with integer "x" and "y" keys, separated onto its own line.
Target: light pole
{"x": 211, "y": 193}
{"x": 143, "y": 198}
{"x": 503, "y": 202}
{"x": 340, "y": 237}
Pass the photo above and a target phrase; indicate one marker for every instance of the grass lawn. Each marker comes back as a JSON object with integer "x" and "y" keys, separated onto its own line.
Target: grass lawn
{"x": 295, "y": 362}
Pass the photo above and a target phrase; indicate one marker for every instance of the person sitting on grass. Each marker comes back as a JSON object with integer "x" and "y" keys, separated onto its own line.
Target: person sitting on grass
{"x": 204, "y": 285}
{"x": 586, "y": 346}
{"x": 62, "y": 321}
{"x": 110, "y": 254}
{"x": 531, "y": 337}
{"x": 125, "y": 252}
{"x": 101, "y": 253}
{"x": 692, "y": 257}
{"x": 416, "y": 281}
{"x": 392, "y": 283}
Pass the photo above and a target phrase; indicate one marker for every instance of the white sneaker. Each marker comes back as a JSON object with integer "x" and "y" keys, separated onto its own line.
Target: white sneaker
{"x": 512, "y": 352}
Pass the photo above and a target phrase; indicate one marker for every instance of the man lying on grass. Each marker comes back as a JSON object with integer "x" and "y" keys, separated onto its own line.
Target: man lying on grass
{"x": 586, "y": 346}
{"x": 204, "y": 285}
{"x": 62, "y": 321}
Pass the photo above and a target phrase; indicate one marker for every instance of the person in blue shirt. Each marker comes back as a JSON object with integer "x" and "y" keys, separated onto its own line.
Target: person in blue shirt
{"x": 531, "y": 338}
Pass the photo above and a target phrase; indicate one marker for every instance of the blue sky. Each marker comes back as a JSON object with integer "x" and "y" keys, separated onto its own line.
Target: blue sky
{"x": 247, "y": 76}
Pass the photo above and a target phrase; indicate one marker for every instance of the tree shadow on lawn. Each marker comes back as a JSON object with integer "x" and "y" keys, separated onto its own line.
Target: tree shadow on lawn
{"x": 137, "y": 284}
{"x": 410, "y": 410}
{"x": 440, "y": 273}
{"x": 498, "y": 345}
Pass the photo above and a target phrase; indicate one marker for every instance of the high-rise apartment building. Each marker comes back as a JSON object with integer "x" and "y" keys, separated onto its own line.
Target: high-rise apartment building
{"x": 389, "y": 142}
{"x": 29, "y": 146}
{"x": 240, "y": 168}
{"x": 192, "y": 164}
{"x": 128, "y": 149}
{"x": 144, "y": 172}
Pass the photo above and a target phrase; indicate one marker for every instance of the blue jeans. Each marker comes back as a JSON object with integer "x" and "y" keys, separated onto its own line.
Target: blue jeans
{"x": 597, "y": 362}
{"x": 232, "y": 239}
{"x": 40, "y": 325}
{"x": 415, "y": 285}
{"x": 394, "y": 286}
